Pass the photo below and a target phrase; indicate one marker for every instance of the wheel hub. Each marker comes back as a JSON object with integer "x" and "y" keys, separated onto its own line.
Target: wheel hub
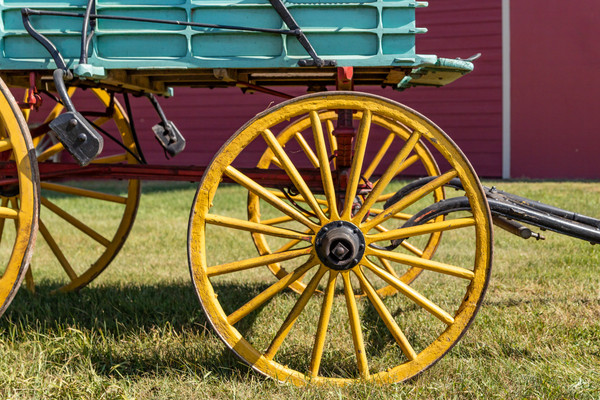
{"x": 340, "y": 245}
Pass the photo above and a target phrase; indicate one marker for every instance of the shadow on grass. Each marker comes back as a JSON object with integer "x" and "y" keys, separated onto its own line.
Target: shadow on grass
{"x": 137, "y": 330}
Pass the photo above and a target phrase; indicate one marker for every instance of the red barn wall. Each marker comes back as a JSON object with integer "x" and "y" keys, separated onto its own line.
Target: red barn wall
{"x": 469, "y": 110}
{"x": 555, "y": 74}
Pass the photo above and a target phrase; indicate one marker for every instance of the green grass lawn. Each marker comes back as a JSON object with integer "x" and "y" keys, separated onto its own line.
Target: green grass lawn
{"x": 138, "y": 332}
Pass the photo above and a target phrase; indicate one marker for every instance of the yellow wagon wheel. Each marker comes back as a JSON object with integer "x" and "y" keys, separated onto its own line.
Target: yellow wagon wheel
{"x": 20, "y": 201}
{"x": 327, "y": 333}
{"x": 395, "y": 135}
{"x": 104, "y": 232}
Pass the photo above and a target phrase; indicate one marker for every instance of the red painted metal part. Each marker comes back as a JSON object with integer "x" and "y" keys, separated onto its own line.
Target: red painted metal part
{"x": 58, "y": 171}
{"x": 34, "y": 99}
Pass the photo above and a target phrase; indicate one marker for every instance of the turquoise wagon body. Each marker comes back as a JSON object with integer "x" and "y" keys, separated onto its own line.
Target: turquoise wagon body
{"x": 357, "y": 33}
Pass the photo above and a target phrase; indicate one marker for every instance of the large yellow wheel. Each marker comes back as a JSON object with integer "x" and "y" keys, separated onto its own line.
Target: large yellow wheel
{"x": 19, "y": 203}
{"x": 298, "y": 138}
{"x": 82, "y": 246}
{"x": 328, "y": 333}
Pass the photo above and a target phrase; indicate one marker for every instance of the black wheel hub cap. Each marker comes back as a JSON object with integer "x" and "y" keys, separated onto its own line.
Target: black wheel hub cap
{"x": 340, "y": 245}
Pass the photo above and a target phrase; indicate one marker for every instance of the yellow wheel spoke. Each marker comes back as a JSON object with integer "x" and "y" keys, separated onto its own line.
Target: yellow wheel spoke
{"x": 386, "y": 316}
{"x": 331, "y": 137}
{"x": 306, "y": 148}
{"x": 317, "y": 352}
{"x": 413, "y": 249}
{"x": 3, "y": 205}
{"x": 50, "y": 151}
{"x": 402, "y": 233}
{"x": 29, "y": 282}
{"x": 117, "y": 158}
{"x": 411, "y": 293}
{"x": 410, "y": 199}
{"x": 407, "y": 163}
{"x": 293, "y": 173}
{"x": 357, "y": 162}
{"x": 54, "y": 187}
{"x": 7, "y": 212}
{"x": 255, "y": 227}
{"x": 101, "y": 120}
{"x": 323, "y": 157}
{"x": 386, "y": 264}
{"x": 264, "y": 194}
{"x": 387, "y": 177}
{"x": 57, "y": 251}
{"x": 422, "y": 263}
{"x": 295, "y": 313}
{"x": 5, "y": 144}
{"x": 379, "y": 156}
{"x": 291, "y": 243}
{"x": 355, "y": 327}
{"x": 278, "y": 220}
{"x": 398, "y": 215}
{"x": 271, "y": 291}
{"x": 256, "y": 262}
{"x": 296, "y": 198}
{"x": 75, "y": 222}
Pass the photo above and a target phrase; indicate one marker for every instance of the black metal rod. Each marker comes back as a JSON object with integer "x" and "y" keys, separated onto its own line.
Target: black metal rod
{"x": 59, "y": 82}
{"x": 132, "y": 126}
{"x": 29, "y": 11}
{"x": 84, "y": 39}
{"x": 291, "y": 23}
{"x": 43, "y": 40}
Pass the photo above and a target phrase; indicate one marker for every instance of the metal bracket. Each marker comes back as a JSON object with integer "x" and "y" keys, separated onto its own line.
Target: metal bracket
{"x": 291, "y": 23}
{"x": 166, "y": 132}
{"x": 72, "y": 129}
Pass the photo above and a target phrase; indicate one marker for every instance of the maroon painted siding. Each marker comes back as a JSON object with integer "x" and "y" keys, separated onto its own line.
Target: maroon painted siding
{"x": 555, "y": 77}
{"x": 469, "y": 110}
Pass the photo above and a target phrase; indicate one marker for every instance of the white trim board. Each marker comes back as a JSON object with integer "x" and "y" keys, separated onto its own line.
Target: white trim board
{"x": 506, "y": 89}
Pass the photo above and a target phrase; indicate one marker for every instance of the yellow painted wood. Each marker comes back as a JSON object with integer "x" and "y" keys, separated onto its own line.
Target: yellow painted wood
{"x": 387, "y": 177}
{"x": 408, "y": 200}
{"x": 236, "y": 223}
{"x": 5, "y": 145}
{"x": 271, "y": 291}
{"x": 57, "y": 252}
{"x": 385, "y": 146}
{"x": 117, "y": 158}
{"x": 130, "y": 200}
{"x": 319, "y": 372}
{"x": 362, "y": 137}
{"x": 430, "y": 265}
{"x": 402, "y": 233}
{"x": 51, "y": 152}
{"x": 10, "y": 213}
{"x": 355, "y": 327}
{"x": 75, "y": 222}
{"x": 268, "y": 197}
{"x": 386, "y": 316}
{"x": 256, "y": 262}
{"x": 24, "y": 210}
{"x": 306, "y": 148}
{"x": 292, "y": 317}
{"x": 412, "y": 294}
{"x": 55, "y": 187}
{"x": 317, "y": 352}
{"x": 326, "y": 177}
{"x": 293, "y": 173}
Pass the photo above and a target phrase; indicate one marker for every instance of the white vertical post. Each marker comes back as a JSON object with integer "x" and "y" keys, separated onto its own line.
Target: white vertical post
{"x": 506, "y": 92}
